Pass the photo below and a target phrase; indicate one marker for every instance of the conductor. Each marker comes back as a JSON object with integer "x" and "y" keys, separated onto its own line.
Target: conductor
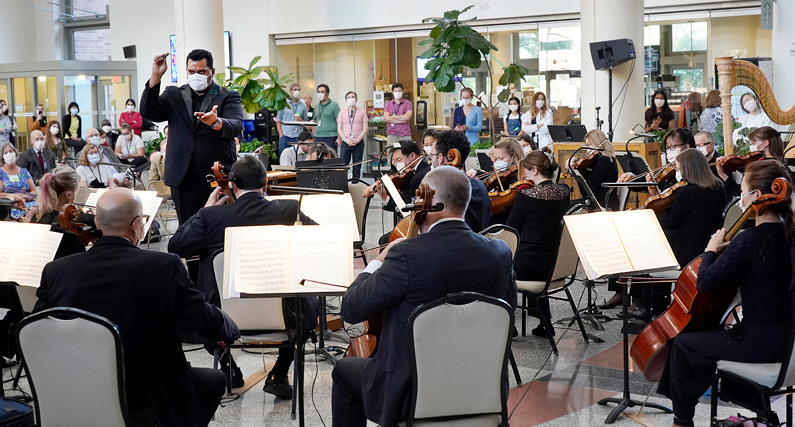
{"x": 203, "y": 119}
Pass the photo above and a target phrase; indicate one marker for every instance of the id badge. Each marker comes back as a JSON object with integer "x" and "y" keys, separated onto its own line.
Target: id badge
{"x": 320, "y": 123}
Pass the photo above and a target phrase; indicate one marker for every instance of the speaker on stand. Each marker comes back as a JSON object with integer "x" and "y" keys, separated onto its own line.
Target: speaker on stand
{"x": 265, "y": 131}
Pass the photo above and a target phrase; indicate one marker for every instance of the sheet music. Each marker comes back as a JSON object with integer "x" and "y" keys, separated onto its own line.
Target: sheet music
{"x": 151, "y": 204}
{"x": 317, "y": 254}
{"x": 258, "y": 260}
{"x": 328, "y": 209}
{"x": 598, "y": 245}
{"x": 24, "y": 263}
{"x": 93, "y": 198}
{"x": 394, "y": 194}
{"x": 644, "y": 240}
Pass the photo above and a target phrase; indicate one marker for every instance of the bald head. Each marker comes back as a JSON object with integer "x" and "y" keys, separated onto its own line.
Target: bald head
{"x": 91, "y": 132}
{"x": 116, "y": 210}
{"x": 36, "y": 133}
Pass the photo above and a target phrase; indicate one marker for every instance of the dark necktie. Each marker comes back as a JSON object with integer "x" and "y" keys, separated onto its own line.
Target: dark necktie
{"x": 41, "y": 163}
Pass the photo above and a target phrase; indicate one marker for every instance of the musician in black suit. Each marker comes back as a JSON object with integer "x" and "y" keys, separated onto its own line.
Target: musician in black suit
{"x": 203, "y": 120}
{"x": 378, "y": 388}
{"x": 203, "y": 235}
{"x": 30, "y": 160}
{"x": 478, "y": 214}
{"x": 149, "y": 297}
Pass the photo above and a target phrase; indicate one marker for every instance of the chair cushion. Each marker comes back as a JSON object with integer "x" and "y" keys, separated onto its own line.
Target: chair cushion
{"x": 764, "y": 374}
{"x": 272, "y": 337}
{"x": 666, "y": 274}
{"x": 538, "y": 286}
{"x": 478, "y": 421}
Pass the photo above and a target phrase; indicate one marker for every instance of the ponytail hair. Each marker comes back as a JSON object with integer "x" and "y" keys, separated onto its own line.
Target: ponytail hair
{"x": 543, "y": 160}
{"x": 775, "y": 144}
{"x": 52, "y": 185}
{"x": 759, "y": 176}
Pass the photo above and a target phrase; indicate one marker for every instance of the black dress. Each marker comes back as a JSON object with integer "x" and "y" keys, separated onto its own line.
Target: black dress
{"x": 665, "y": 115}
{"x": 605, "y": 169}
{"x": 758, "y": 261}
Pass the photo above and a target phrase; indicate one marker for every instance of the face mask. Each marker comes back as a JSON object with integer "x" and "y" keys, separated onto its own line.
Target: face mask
{"x": 742, "y": 204}
{"x": 10, "y": 158}
{"x": 540, "y": 103}
{"x": 38, "y": 144}
{"x": 5, "y": 108}
{"x": 527, "y": 149}
{"x": 750, "y": 105}
{"x": 74, "y": 111}
{"x": 93, "y": 158}
{"x": 94, "y": 140}
{"x": 671, "y": 154}
{"x": 321, "y": 96}
{"x": 198, "y": 82}
{"x": 659, "y": 103}
{"x": 427, "y": 149}
{"x": 106, "y": 129}
{"x": 466, "y": 101}
{"x": 351, "y": 102}
{"x": 127, "y": 137}
{"x": 54, "y": 130}
{"x": 754, "y": 147}
{"x": 678, "y": 176}
{"x": 398, "y": 94}
{"x": 513, "y": 107}
{"x": 501, "y": 164}
{"x": 306, "y": 102}
{"x": 400, "y": 166}
{"x": 130, "y": 108}
{"x": 296, "y": 94}
{"x": 702, "y": 149}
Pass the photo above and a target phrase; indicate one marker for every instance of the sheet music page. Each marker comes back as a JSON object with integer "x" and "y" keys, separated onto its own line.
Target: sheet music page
{"x": 319, "y": 253}
{"x": 258, "y": 259}
{"x": 24, "y": 263}
{"x": 332, "y": 209}
{"x": 644, "y": 240}
{"x": 598, "y": 245}
{"x": 151, "y": 204}
{"x": 394, "y": 194}
{"x": 94, "y": 197}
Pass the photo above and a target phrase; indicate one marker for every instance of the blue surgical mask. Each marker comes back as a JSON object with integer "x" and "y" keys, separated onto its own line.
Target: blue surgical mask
{"x": 501, "y": 164}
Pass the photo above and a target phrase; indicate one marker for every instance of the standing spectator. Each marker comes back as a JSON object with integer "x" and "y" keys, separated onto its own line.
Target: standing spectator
{"x": 73, "y": 128}
{"x": 754, "y": 117}
{"x": 132, "y": 118}
{"x": 352, "y": 128}
{"x": 15, "y": 182}
{"x": 307, "y": 100}
{"x": 7, "y": 124}
{"x": 55, "y": 141}
{"x": 512, "y": 122}
{"x": 660, "y": 116}
{"x": 397, "y": 113}
{"x": 326, "y": 118}
{"x": 468, "y": 118}
{"x": 537, "y": 120}
{"x": 37, "y": 159}
{"x": 130, "y": 149}
{"x": 38, "y": 121}
{"x": 112, "y": 134}
{"x": 709, "y": 118}
{"x": 295, "y": 111}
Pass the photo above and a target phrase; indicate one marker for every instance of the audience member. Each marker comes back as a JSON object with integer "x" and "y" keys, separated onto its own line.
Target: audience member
{"x": 712, "y": 114}
{"x": 37, "y": 159}
{"x": 7, "y": 124}
{"x": 397, "y": 114}
{"x": 660, "y": 116}
{"x": 512, "y": 122}
{"x": 352, "y": 124}
{"x": 15, "y": 181}
{"x": 326, "y": 118}
{"x": 73, "y": 128}
{"x": 112, "y": 134}
{"x": 158, "y": 161}
{"x": 55, "y": 141}
{"x": 295, "y": 111}
{"x": 39, "y": 120}
{"x": 468, "y": 118}
{"x": 307, "y": 100}
{"x": 94, "y": 175}
{"x": 132, "y": 118}
{"x": 130, "y": 149}
{"x": 537, "y": 120}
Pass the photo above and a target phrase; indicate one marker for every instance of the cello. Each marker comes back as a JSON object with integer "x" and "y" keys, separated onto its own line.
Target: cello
{"x": 220, "y": 179}
{"x": 365, "y": 344}
{"x": 68, "y": 220}
{"x": 691, "y": 310}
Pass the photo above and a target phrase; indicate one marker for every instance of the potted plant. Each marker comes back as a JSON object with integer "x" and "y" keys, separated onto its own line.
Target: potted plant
{"x": 267, "y": 153}
{"x": 153, "y": 144}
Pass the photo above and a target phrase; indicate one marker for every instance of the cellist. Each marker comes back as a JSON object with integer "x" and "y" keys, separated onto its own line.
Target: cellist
{"x": 758, "y": 260}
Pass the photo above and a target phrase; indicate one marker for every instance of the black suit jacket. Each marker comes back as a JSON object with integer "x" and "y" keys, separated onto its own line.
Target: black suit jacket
{"x": 189, "y": 139}
{"x": 149, "y": 297}
{"x": 203, "y": 234}
{"x": 478, "y": 214}
{"x": 30, "y": 161}
{"x": 403, "y": 283}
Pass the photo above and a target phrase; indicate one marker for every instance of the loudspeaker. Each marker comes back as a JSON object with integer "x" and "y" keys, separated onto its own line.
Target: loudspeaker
{"x": 129, "y": 51}
{"x": 265, "y": 127}
{"x": 610, "y": 53}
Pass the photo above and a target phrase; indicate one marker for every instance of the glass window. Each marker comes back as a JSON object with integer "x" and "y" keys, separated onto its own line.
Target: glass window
{"x": 80, "y": 8}
{"x": 82, "y": 89}
{"x": 92, "y": 45}
{"x": 652, "y": 35}
{"x": 113, "y": 94}
{"x": 683, "y": 34}
{"x": 690, "y": 79}
{"x": 528, "y": 45}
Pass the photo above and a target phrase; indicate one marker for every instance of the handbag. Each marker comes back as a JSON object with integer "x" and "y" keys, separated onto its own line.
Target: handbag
{"x": 15, "y": 413}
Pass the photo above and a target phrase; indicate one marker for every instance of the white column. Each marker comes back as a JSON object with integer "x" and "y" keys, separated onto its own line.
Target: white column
{"x": 602, "y": 20}
{"x": 784, "y": 52}
{"x": 17, "y": 33}
{"x": 199, "y": 24}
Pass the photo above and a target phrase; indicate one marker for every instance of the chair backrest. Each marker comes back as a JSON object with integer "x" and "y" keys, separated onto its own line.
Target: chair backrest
{"x": 360, "y": 204}
{"x": 731, "y": 213}
{"x": 439, "y": 363}
{"x": 566, "y": 263}
{"x": 623, "y": 196}
{"x": 145, "y": 178}
{"x": 82, "y": 195}
{"x": 505, "y": 233}
{"x": 786, "y": 377}
{"x": 75, "y": 368}
{"x": 252, "y": 315}
{"x": 159, "y": 186}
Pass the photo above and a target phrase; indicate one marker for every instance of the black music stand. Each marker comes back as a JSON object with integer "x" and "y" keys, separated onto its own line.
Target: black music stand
{"x": 567, "y": 133}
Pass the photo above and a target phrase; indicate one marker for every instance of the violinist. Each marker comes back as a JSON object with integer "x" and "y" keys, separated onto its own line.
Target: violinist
{"x": 705, "y": 143}
{"x": 507, "y": 152}
{"x": 676, "y": 141}
{"x": 604, "y": 169}
{"x": 478, "y": 214}
{"x": 379, "y": 388}
{"x": 758, "y": 260}
{"x": 764, "y": 139}
{"x": 527, "y": 142}
{"x": 405, "y": 155}
{"x": 536, "y": 214}
{"x": 428, "y": 140}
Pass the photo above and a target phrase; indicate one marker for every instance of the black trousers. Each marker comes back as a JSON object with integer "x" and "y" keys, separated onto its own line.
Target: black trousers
{"x": 76, "y": 144}
{"x": 693, "y": 360}
{"x": 191, "y": 194}
{"x": 140, "y": 164}
{"x": 347, "y": 405}
{"x": 353, "y": 155}
{"x": 193, "y": 401}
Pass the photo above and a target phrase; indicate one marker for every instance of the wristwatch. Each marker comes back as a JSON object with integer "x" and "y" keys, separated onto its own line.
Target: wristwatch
{"x": 216, "y": 125}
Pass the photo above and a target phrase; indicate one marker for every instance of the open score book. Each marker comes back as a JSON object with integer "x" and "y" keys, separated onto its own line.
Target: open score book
{"x": 275, "y": 259}
{"x": 24, "y": 263}
{"x": 613, "y": 243}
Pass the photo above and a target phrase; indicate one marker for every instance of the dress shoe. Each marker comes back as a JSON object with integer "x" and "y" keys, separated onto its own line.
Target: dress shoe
{"x": 278, "y": 386}
{"x": 237, "y": 377}
{"x": 541, "y": 331}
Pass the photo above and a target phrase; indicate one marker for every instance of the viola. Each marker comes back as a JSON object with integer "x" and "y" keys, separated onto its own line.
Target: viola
{"x": 403, "y": 176}
{"x": 68, "y": 220}
{"x": 663, "y": 173}
{"x": 736, "y": 162}
{"x": 691, "y": 310}
{"x": 582, "y": 164}
{"x": 220, "y": 179}
{"x": 365, "y": 345}
{"x": 494, "y": 180}
{"x": 502, "y": 200}
{"x": 664, "y": 199}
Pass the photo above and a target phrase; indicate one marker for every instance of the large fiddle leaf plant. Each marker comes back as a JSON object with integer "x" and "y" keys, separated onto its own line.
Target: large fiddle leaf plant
{"x": 454, "y": 44}
{"x": 258, "y": 92}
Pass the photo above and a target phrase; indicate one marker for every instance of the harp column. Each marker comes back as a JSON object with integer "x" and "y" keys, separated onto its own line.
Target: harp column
{"x": 725, "y": 69}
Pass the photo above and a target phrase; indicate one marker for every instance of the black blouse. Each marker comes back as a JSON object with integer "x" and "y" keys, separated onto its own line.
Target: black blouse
{"x": 666, "y": 115}
{"x": 70, "y": 243}
{"x": 604, "y": 170}
{"x": 696, "y": 213}
{"x": 757, "y": 260}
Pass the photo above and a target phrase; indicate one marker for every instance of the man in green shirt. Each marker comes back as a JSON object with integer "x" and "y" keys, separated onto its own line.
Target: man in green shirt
{"x": 326, "y": 113}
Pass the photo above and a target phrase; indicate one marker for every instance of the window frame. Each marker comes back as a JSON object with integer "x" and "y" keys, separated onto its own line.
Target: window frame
{"x": 77, "y": 24}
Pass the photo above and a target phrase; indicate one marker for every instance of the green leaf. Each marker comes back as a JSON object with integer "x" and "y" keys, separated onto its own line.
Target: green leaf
{"x": 238, "y": 70}
{"x": 435, "y": 32}
{"x": 428, "y": 54}
{"x": 464, "y": 10}
{"x": 504, "y": 95}
{"x": 426, "y": 41}
{"x": 254, "y": 61}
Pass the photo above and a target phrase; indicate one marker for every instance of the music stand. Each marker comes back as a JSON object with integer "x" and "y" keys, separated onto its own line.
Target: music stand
{"x": 558, "y": 133}
{"x": 567, "y": 133}
{"x": 485, "y": 162}
{"x": 121, "y": 165}
{"x": 328, "y": 174}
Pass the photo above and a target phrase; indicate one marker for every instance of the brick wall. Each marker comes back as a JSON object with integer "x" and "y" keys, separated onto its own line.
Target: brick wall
{"x": 91, "y": 45}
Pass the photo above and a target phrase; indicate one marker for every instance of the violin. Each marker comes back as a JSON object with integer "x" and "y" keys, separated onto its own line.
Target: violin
{"x": 582, "y": 164}
{"x": 691, "y": 310}
{"x": 664, "y": 199}
{"x": 220, "y": 179}
{"x": 663, "y": 173}
{"x": 68, "y": 220}
{"x": 736, "y": 162}
{"x": 365, "y": 345}
{"x": 494, "y": 180}
{"x": 502, "y": 200}
{"x": 403, "y": 176}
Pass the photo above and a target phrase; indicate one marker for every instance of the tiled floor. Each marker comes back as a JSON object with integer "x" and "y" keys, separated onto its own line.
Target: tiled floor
{"x": 565, "y": 390}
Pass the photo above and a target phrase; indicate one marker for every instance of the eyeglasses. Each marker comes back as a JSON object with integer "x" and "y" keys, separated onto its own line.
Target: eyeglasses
{"x": 675, "y": 146}
{"x": 144, "y": 219}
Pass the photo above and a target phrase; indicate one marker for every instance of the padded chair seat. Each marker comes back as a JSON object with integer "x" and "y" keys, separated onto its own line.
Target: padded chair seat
{"x": 478, "y": 421}
{"x": 667, "y": 274}
{"x": 274, "y": 337}
{"x": 764, "y": 374}
{"x": 538, "y": 286}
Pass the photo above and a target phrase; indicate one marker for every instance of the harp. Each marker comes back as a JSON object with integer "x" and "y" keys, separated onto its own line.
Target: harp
{"x": 734, "y": 72}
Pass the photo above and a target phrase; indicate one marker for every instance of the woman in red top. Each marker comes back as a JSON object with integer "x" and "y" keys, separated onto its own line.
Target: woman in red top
{"x": 132, "y": 117}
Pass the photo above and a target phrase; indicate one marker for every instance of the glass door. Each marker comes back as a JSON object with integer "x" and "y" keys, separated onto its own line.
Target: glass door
{"x": 82, "y": 90}
{"x": 113, "y": 94}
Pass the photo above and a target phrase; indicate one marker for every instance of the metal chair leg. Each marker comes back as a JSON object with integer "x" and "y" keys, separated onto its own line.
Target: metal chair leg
{"x": 576, "y": 314}
{"x": 516, "y": 369}
{"x": 524, "y": 314}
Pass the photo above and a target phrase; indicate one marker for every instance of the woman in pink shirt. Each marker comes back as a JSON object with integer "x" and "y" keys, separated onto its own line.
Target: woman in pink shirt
{"x": 132, "y": 117}
{"x": 351, "y": 130}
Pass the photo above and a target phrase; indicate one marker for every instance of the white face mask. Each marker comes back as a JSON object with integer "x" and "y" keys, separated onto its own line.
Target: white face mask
{"x": 466, "y": 101}
{"x": 74, "y": 111}
{"x": 93, "y": 158}
{"x": 659, "y": 102}
{"x": 296, "y": 94}
{"x": 5, "y": 108}
{"x": 94, "y": 140}
{"x": 750, "y": 105}
{"x": 501, "y": 164}
{"x": 10, "y": 158}
{"x": 400, "y": 166}
{"x": 754, "y": 147}
{"x": 127, "y": 137}
{"x": 742, "y": 204}
{"x": 130, "y": 108}
{"x": 702, "y": 149}
{"x": 513, "y": 107}
{"x": 305, "y": 101}
{"x": 527, "y": 149}
{"x": 540, "y": 103}
{"x": 321, "y": 96}
{"x": 398, "y": 94}
{"x": 678, "y": 176}
{"x": 427, "y": 149}
{"x": 54, "y": 130}
{"x": 106, "y": 129}
{"x": 351, "y": 102}
{"x": 671, "y": 154}
{"x": 198, "y": 82}
{"x": 38, "y": 144}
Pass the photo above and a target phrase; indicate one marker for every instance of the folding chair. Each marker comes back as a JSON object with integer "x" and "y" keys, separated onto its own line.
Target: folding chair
{"x": 361, "y": 205}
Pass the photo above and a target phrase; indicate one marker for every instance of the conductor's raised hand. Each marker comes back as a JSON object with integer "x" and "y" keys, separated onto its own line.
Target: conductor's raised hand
{"x": 159, "y": 67}
{"x": 208, "y": 118}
